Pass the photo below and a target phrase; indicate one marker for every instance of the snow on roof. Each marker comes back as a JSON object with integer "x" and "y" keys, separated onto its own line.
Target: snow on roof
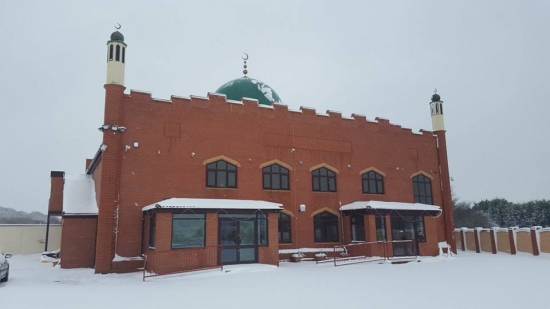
{"x": 79, "y": 195}
{"x": 203, "y": 203}
{"x": 389, "y": 206}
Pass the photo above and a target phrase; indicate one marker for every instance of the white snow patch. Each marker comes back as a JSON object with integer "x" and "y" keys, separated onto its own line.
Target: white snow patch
{"x": 119, "y": 258}
{"x": 199, "y": 203}
{"x": 304, "y": 285}
{"x": 389, "y": 206}
{"x": 310, "y": 250}
{"x": 79, "y": 195}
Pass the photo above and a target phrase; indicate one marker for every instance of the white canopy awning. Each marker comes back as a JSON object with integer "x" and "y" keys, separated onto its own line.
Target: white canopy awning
{"x": 204, "y": 203}
{"x": 389, "y": 206}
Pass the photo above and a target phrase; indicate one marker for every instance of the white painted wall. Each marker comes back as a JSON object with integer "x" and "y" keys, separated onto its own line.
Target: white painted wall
{"x": 115, "y": 69}
{"x": 28, "y": 238}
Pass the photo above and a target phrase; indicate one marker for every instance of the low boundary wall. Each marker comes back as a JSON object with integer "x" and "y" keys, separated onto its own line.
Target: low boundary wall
{"x": 533, "y": 240}
{"x": 28, "y": 238}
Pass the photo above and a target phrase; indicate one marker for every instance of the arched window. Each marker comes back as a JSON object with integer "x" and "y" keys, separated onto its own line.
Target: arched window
{"x": 323, "y": 180}
{"x": 373, "y": 183}
{"x": 123, "y": 54}
{"x": 111, "y": 53}
{"x": 422, "y": 189}
{"x": 284, "y": 228}
{"x": 117, "y": 53}
{"x": 275, "y": 177}
{"x": 221, "y": 174}
{"x": 325, "y": 226}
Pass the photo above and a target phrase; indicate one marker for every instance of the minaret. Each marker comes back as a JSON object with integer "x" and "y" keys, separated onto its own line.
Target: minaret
{"x": 111, "y": 161}
{"x": 116, "y": 58}
{"x": 437, "y": 113}
{"x": 436, "y": 106}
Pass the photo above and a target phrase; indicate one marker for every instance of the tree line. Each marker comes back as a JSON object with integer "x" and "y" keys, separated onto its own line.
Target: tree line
{"x": 502, "y": 213}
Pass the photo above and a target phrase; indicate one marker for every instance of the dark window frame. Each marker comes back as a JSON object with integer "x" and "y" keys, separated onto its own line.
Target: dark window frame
{"x": 152, "y": 230}
{"x": 327, "y": 223}
{"x": 422, "y": 189}
{"x": 370, "y": 179}
{"x": 189, "y": 219}
{"x": 322, "y": 179}
{"x": 110, "y": 53}
{"x": 285, "y": 227}
{"x": 230, "y": 169}
{"x": 275, "y": 177}
{"x": 380, "y": 223}
{"x": 357, "y": 223}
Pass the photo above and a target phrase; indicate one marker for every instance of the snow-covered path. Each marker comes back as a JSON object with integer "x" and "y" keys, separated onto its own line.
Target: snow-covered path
{"x": 468, "y": 281}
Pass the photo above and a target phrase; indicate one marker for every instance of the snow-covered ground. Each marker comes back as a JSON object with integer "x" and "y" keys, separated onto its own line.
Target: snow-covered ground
{"x": 468, "y": 281}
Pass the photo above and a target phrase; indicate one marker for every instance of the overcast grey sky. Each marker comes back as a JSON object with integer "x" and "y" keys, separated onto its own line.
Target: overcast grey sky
{"x": 488, "y": 59}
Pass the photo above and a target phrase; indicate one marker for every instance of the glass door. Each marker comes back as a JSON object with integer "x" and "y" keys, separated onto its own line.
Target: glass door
{"x": 238, "y": 238}
{"x": 403, "y": 236}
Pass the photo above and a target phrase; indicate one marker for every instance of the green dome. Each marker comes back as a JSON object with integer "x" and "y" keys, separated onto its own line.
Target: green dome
{"x": 246, "y": 87}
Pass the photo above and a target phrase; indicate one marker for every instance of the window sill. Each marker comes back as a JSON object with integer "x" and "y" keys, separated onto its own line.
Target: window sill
{"x": 374, "y": 193}
{"x": 221, "y": 188}
{"x": 178, "y": 248}
{"x": 324, "y": 191}
{"x": 277, "y": 190}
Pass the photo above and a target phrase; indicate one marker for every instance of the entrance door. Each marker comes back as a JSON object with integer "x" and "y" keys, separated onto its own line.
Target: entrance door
{"x": 404, "y": 235}
{"x": 238, "y": 240}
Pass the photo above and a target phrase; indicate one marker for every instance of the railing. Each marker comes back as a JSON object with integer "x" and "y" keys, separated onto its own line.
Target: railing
{"x": 178, "y": 261}
{"x": 375, "y": 251}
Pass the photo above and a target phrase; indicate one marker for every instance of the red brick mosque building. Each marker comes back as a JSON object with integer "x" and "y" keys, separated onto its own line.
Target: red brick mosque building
{"x": 238, "y": 177}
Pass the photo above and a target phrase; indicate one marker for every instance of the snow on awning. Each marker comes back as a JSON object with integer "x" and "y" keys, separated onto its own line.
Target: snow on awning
{"x": 79, "y": 196}
{"x": 204, "y": 203}
{"x": 389, "y": 206}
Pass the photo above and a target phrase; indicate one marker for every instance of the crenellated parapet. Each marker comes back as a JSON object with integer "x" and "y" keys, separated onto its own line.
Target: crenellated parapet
{"x": 219, "y": 102}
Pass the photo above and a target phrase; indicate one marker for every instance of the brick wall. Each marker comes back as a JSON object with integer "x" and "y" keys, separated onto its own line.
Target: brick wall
{"x": 55, "y": 204}
{"x": 78, "y": 241}
{"x": 175, "y": 138}
{"x": 485, "y": 237}
{"x": 470, "y": 241}
{"x": 458, "y": 240}
{"x": 503, "y": 241}
{"x": 545, "y": 241}
{"x": 524, "y": 241}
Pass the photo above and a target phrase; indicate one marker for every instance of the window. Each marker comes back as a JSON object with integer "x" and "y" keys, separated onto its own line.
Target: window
{"x": 152, "y": 230}
{"x": 262, "y": 229}
{"x": 284, "y": 228}
{"x": 188, "y": 230}
{"x": 380, "y": 227}
{"x": 221, "y": 174}
{"x": 275, "y": 177}
{"x": 111, "y": 53}
{"x": 408, "y": 228}
{"x": 117, "y": 53}
{"x": 357, "y": 227}
{"x": 325, "y": 227}
{"x": 123, "y": 54}
{"x": 373, "y": 183}
{"x": 422, "y": 188}
{"x": 323, "y": 180}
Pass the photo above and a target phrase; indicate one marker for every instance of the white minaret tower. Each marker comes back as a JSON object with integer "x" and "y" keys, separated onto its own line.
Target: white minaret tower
{"x": 116, "y": 57}
{"x": 436, "y": 107}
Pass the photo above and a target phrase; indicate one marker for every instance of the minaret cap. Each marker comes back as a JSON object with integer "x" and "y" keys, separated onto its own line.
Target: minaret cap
{"x": 117, "y": 36}
{"x": 436, "y": 97}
